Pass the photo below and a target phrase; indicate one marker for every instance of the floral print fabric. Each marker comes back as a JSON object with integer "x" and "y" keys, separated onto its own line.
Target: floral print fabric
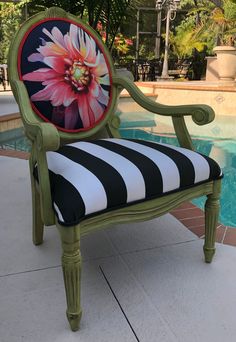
{"x": 66, "y": 75}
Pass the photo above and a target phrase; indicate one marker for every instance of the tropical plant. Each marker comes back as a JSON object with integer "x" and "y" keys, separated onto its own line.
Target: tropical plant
{"x": 217, "y": 21}
{"x": 121, "y": 43}
{"x": 185, "y": 39}
{"x": 108, "y": 13}
{"x": 11, "y": 16}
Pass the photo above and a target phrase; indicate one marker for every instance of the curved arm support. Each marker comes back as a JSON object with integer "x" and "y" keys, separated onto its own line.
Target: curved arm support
{"x": 46, "y": 134}
{"x": 201, "y": 114}
{"x": 182, "y": 133}
{"x": 38, "y": 157}
{"x": 44, "y": 137}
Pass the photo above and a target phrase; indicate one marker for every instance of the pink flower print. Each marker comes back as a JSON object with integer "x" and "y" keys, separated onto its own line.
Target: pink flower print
{"x": 75, "y": 77}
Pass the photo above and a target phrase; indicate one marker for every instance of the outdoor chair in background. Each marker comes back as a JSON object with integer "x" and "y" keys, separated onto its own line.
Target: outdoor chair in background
{"x": 3, "y": 79}
{"x": 84, "y": 176}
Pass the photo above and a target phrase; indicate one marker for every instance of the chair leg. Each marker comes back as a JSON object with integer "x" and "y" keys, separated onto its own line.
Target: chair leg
{"x": 71, "y": 265}
{"x": 37, "y": 223}
{"x": 212, "y": 208}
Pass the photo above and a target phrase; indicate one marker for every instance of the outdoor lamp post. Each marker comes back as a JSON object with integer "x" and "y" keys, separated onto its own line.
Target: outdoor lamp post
{"x": 171, "y": 7}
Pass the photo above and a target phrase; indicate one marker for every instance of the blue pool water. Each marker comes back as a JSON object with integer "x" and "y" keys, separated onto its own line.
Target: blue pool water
{"x": 223, "y": 151}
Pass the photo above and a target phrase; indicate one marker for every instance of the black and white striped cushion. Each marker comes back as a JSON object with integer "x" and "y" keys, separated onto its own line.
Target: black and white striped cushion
{"x": 97, "y": 176}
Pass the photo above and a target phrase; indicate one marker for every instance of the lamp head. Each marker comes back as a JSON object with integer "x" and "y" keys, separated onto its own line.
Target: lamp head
{"x": 158, "y": 4}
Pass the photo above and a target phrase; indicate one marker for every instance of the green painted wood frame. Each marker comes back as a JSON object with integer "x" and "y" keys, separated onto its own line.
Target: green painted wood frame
{"x": 45, "y": 137}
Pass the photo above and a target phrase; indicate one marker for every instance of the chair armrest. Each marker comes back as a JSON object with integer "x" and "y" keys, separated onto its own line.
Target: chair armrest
{"x": 45, "y": 133}
{"x": 44, "y": 137}
{"x": 201, "y": 114}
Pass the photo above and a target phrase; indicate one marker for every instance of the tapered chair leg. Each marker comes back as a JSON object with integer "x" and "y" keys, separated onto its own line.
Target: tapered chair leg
{"x": 212, "y": 208}
{"x": 37, "y": 223}
{"x": 71, "y": 265}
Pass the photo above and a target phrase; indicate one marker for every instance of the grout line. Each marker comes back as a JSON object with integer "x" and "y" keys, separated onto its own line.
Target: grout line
{"x": 156, "y": 247}
{"x": 189, "y": 218}
{"x": 131, "y": 274}
{"x": 226, "y": 229}
{"x": 182, "y": 209}
{"x": 29, "y": 271}
{"x": 136, "y": 250}
{"x": 117, "y": 300}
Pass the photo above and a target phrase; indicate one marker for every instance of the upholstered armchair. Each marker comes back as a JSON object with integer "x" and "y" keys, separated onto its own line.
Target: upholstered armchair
{"x": 84, "y": 176}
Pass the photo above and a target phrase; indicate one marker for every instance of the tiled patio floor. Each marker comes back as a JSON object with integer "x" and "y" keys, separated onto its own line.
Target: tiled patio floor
{"x": 142, "y": 282}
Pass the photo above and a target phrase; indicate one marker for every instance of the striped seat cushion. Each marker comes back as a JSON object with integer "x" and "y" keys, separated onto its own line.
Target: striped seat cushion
{"x": 98, "y": 176}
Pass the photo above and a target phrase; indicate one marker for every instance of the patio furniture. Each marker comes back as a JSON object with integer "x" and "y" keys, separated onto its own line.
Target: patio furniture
{"x": 84, "y": 176}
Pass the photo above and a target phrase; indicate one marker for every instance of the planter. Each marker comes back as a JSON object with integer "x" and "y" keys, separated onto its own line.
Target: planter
{"x": 226, "y": 62}
{"x": 212, "y": 69}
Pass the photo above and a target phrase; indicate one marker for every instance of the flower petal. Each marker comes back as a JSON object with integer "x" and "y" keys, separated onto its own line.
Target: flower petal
{"x": 56, "y": 63}
{"x": 51, "y": 49}
{"x": 69, "y": 96}
{"x": 59, "y": 92}
{"x": 40, "y": 75}
{"x": 58, "y": 114}
{"x": 35, "y": 57}
{"x": 94, "y": 88}
{"x": 54, "y": 39}
{"x": 96, "y": 108}
{"x": 52, "y": 92}
{"x": 56, "y": 33}
{"x": 84, "y": 110}
{"x": 73, "y": 53}
{"x": 103, "y": 96}
{"x": 71, "y": 115}
{"x": 42, "y": 95}
{"x": 74, "y": 37}
{"x": 88, "y": 49}
{"x": 105, "y": 80}
{"x": 101, "y": 69}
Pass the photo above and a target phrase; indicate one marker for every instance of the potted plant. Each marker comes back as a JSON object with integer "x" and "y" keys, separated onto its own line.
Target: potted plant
{"x": 225, "y": 19}
{"x": 220, "y": 25}
{"x": 213, "y": 23}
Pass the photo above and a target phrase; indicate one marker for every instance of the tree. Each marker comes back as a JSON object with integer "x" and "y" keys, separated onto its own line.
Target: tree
{"x": 108, "y": 13}
{"x": 214, "y": 24}
{"x": 219, "y": 23}
{"x": 11, "y": 16}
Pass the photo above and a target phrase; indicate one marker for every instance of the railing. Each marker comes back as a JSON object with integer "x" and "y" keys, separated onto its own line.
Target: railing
{"x": 144, "y": 70}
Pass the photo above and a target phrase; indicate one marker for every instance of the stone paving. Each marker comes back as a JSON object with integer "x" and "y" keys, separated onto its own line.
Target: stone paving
{"x": 140, "y": 282}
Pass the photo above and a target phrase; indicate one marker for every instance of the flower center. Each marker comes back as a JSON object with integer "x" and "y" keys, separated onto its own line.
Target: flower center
{"x": 78, "y": 75}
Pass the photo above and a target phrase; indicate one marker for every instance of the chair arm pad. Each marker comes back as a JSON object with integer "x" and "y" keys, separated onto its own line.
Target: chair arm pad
{"x": 48, "y": 138}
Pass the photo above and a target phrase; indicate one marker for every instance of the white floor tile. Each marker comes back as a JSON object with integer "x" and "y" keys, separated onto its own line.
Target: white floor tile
{"x": 164, "y": 230}
{"x": 33, "y": 309}
{"x": 198, "y": 300}
{"x": 17, "y": 252}
{"x": 146, "y": 320}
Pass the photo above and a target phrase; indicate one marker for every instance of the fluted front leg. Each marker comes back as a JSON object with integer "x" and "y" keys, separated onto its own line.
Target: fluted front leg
{"x": 212, "y": 208}
{"x": 71, "y": 265}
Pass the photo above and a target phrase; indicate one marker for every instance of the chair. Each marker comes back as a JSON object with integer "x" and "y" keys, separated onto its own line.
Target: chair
{"x": 84, "y": 176}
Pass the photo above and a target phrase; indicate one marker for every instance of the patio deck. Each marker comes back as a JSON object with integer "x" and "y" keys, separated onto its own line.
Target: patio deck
{"x": 142, "y": 282}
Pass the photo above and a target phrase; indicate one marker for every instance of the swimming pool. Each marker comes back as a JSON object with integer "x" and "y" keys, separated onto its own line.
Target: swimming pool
{"x": 14, "y": 139}
{"x": 222, "y": 150}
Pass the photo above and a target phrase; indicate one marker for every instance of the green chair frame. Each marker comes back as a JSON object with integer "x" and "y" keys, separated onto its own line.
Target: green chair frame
{"x": 46, "y": 137}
